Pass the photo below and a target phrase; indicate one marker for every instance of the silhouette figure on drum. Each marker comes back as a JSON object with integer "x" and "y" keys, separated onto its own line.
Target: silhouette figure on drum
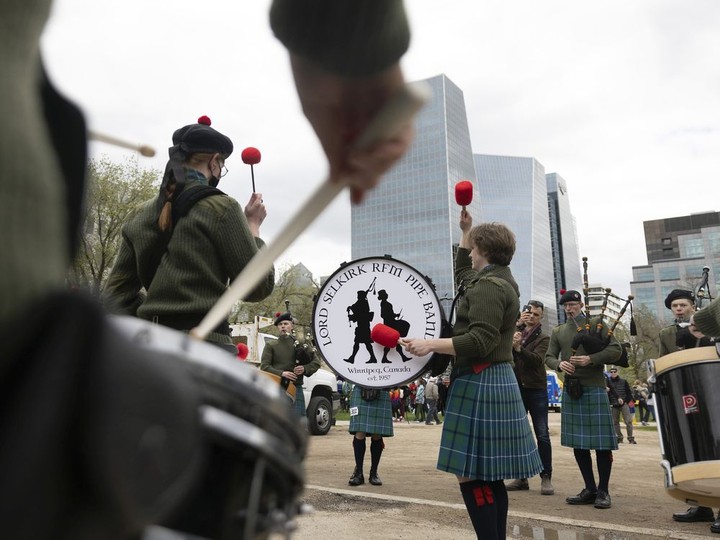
{"x": 391, "y": 319}
{"x": 360, "y": 314}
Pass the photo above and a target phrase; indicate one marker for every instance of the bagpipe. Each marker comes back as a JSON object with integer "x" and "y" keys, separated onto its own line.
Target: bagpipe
{"x": 590, "y": 334}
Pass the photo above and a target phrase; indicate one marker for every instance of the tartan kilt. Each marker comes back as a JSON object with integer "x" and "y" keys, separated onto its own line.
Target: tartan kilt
{"x": 486, "y": 434}
{"x": 586, "y": 423}
{"x": 300, "y": 406}
{"x": 374, "y": 417}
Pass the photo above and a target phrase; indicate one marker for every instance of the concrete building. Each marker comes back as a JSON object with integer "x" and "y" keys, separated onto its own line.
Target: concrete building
{"x": 678, "y": 249}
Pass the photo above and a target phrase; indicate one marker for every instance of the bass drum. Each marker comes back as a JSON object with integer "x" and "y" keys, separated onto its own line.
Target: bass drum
{"x": 362, "y": 294}
{"x": 254, "y": 443}
{"x": 687, "y": 410}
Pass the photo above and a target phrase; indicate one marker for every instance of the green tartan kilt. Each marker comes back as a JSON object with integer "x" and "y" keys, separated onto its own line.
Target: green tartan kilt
{"x": 373, "y": 417}
{"x": 300, "y": 402}
{"x": 586, "y": 423}
{"x": 486, "y": 434}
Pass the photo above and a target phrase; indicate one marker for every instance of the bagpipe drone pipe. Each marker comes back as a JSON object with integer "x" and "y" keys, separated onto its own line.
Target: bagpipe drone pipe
{"x": 590, "y": 335}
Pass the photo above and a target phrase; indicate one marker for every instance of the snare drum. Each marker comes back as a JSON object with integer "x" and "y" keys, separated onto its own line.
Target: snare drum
{"x": 254, "y": 444}
{"x": 687, "y": 410}
{"x": 366, "y": 292}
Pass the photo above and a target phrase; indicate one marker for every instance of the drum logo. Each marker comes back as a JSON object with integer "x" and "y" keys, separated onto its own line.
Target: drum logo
{"x": 690, "y": 403}
{"x": 361, "y": 295}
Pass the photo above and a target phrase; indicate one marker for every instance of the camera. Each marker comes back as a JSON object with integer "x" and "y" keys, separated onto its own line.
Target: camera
{"x": 527, "y": 308}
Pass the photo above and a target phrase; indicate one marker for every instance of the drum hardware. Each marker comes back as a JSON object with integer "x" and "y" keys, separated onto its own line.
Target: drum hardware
{"x": 686, "y": 409}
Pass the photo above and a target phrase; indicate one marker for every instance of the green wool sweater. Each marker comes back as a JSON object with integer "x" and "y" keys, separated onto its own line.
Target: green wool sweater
{"x": 668, "y": 340}
{"x": 486, "y": 313}
{"x": 279, "y": 355}
{"x": 708, "y": 319}
{"x": 208, "y": 248}
{"x": 560, "y": 349}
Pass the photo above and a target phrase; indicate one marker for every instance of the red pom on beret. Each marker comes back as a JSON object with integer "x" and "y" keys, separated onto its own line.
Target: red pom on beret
{"x": 205, "y": 120}
{"x": 242, "y": 351}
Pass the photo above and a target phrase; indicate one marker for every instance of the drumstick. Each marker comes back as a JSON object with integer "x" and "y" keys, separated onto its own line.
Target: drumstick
{"x": 143, "y": 149}
{"x": 388, "y": 122}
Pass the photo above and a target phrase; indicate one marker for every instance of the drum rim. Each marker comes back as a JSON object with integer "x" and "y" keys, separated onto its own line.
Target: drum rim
{"x": 386, "y": 257}
{"x": 685, "y": 357}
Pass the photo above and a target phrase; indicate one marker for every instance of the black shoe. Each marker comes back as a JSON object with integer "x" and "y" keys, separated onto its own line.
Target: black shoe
{"x": 696, "y": 513}
{"x": 584, "y": 497}
{"x": 405, "y": 358}
{"x": 372, "y": 360}
{"x": 385, "y": 360}
{"x": 715, "y": 527}
{"x": 357, "y": 478}
{"x": 602, "y": 500}
{"x": 349, "y": 360}
{"x": 631, "y": 441}
{"x": 375, "y": 479}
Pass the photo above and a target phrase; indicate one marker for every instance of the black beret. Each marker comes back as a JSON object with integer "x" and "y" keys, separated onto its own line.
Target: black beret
{"x": 570, "y": 296}
{"x": 200, "y": 137}
{"x": 678, "y": 293}
{"x": 283, "y": 317}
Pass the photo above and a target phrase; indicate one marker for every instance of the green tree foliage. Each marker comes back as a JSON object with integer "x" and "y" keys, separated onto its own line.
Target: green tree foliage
{"x": 644, "y": 346}
{"x": 296, "y": 286}
{"x": 114, "y": 191}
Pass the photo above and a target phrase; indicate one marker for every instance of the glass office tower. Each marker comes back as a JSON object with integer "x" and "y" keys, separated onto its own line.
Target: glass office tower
{"x": 412, "y": 215}
{"x": 566, "y": 253}
{"x": 513, "y": 191}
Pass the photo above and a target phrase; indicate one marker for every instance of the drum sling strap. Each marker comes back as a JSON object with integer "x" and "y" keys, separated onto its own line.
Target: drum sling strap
{"x": 439, "y": 362}
{"x": 181, "y": 206}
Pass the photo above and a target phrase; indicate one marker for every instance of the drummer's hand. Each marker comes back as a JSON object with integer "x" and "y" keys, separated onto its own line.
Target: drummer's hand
{"x": 567, "y": 367}
{"x": 466, "y": 220}
{"x": 416, "y": 346}
{"x": 289, "y": 375}
{"x": 255, "y": 213}
{"x": 339, "y": 109}
{"x": 580, "y": 360}
{"x": 299, "y": 370}
{"x": 694, "y": 329}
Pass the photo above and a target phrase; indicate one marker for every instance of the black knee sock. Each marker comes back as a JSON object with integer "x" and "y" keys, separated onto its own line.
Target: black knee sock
{"x": 487, "y": 506}
{"x": 376, "y": 449}
{"x": 359, "y": 448}
{"x": 584, "y": 461}
{"x": 604, "y": 465}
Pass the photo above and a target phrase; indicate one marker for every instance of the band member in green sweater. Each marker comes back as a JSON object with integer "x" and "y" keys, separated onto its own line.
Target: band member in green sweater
{"x": 586, "y": 423}
{"x": 486, "y": 435}
{"x": 289, "y": 359}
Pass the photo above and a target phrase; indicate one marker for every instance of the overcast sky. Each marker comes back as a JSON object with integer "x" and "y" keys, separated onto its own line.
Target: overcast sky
{"x": 621, "y": 99}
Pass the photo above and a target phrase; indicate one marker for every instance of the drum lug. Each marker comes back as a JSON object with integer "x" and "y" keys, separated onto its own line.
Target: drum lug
{"x": 667, "y": 469}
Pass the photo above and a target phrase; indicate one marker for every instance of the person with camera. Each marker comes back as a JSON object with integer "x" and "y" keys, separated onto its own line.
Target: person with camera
{"x": 530, "y": 344}
{"x": 677, "y": 337}
{"x": 585, "y": 418}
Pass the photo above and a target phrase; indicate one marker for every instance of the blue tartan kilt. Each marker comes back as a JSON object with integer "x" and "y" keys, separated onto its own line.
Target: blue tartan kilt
{"x": 586, "y": 422}
{"x": 374, "y": 417}
{"x": 486, "y": 434}
{"x": 300, "y": 402}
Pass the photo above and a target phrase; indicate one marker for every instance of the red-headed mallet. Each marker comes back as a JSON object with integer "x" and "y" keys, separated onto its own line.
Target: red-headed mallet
{"x": 251, "y": 156}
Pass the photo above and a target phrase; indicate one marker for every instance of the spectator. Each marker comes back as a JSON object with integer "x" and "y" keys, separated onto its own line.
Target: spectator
{"x": 620, "y": 403}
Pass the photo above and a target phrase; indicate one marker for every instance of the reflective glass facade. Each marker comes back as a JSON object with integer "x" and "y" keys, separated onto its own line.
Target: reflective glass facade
{"x": 513, "y": 192}
{"x": 566, "y": 253}
{"x": 412, "y": 215}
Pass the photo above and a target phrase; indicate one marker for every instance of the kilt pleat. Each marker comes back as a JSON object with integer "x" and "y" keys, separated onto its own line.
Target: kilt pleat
{"x": 373, "y": 416}
{"x": 586, "y": 422}
{"x": 486, "y": 434}
{"x": 300, "y": 406}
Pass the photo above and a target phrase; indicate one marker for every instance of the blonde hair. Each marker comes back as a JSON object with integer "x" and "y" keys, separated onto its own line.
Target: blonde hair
{"x": 192, "y": 161}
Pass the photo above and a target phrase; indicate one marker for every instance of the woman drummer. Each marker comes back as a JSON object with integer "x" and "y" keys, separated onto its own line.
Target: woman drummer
{"x": 486, "y": 436}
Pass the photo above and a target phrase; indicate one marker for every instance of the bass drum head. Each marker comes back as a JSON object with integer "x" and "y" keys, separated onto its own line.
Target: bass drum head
{"x": 362, "y": 294}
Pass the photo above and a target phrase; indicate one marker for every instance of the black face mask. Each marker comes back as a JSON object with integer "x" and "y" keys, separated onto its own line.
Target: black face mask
{"x": 213, "y": 181}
